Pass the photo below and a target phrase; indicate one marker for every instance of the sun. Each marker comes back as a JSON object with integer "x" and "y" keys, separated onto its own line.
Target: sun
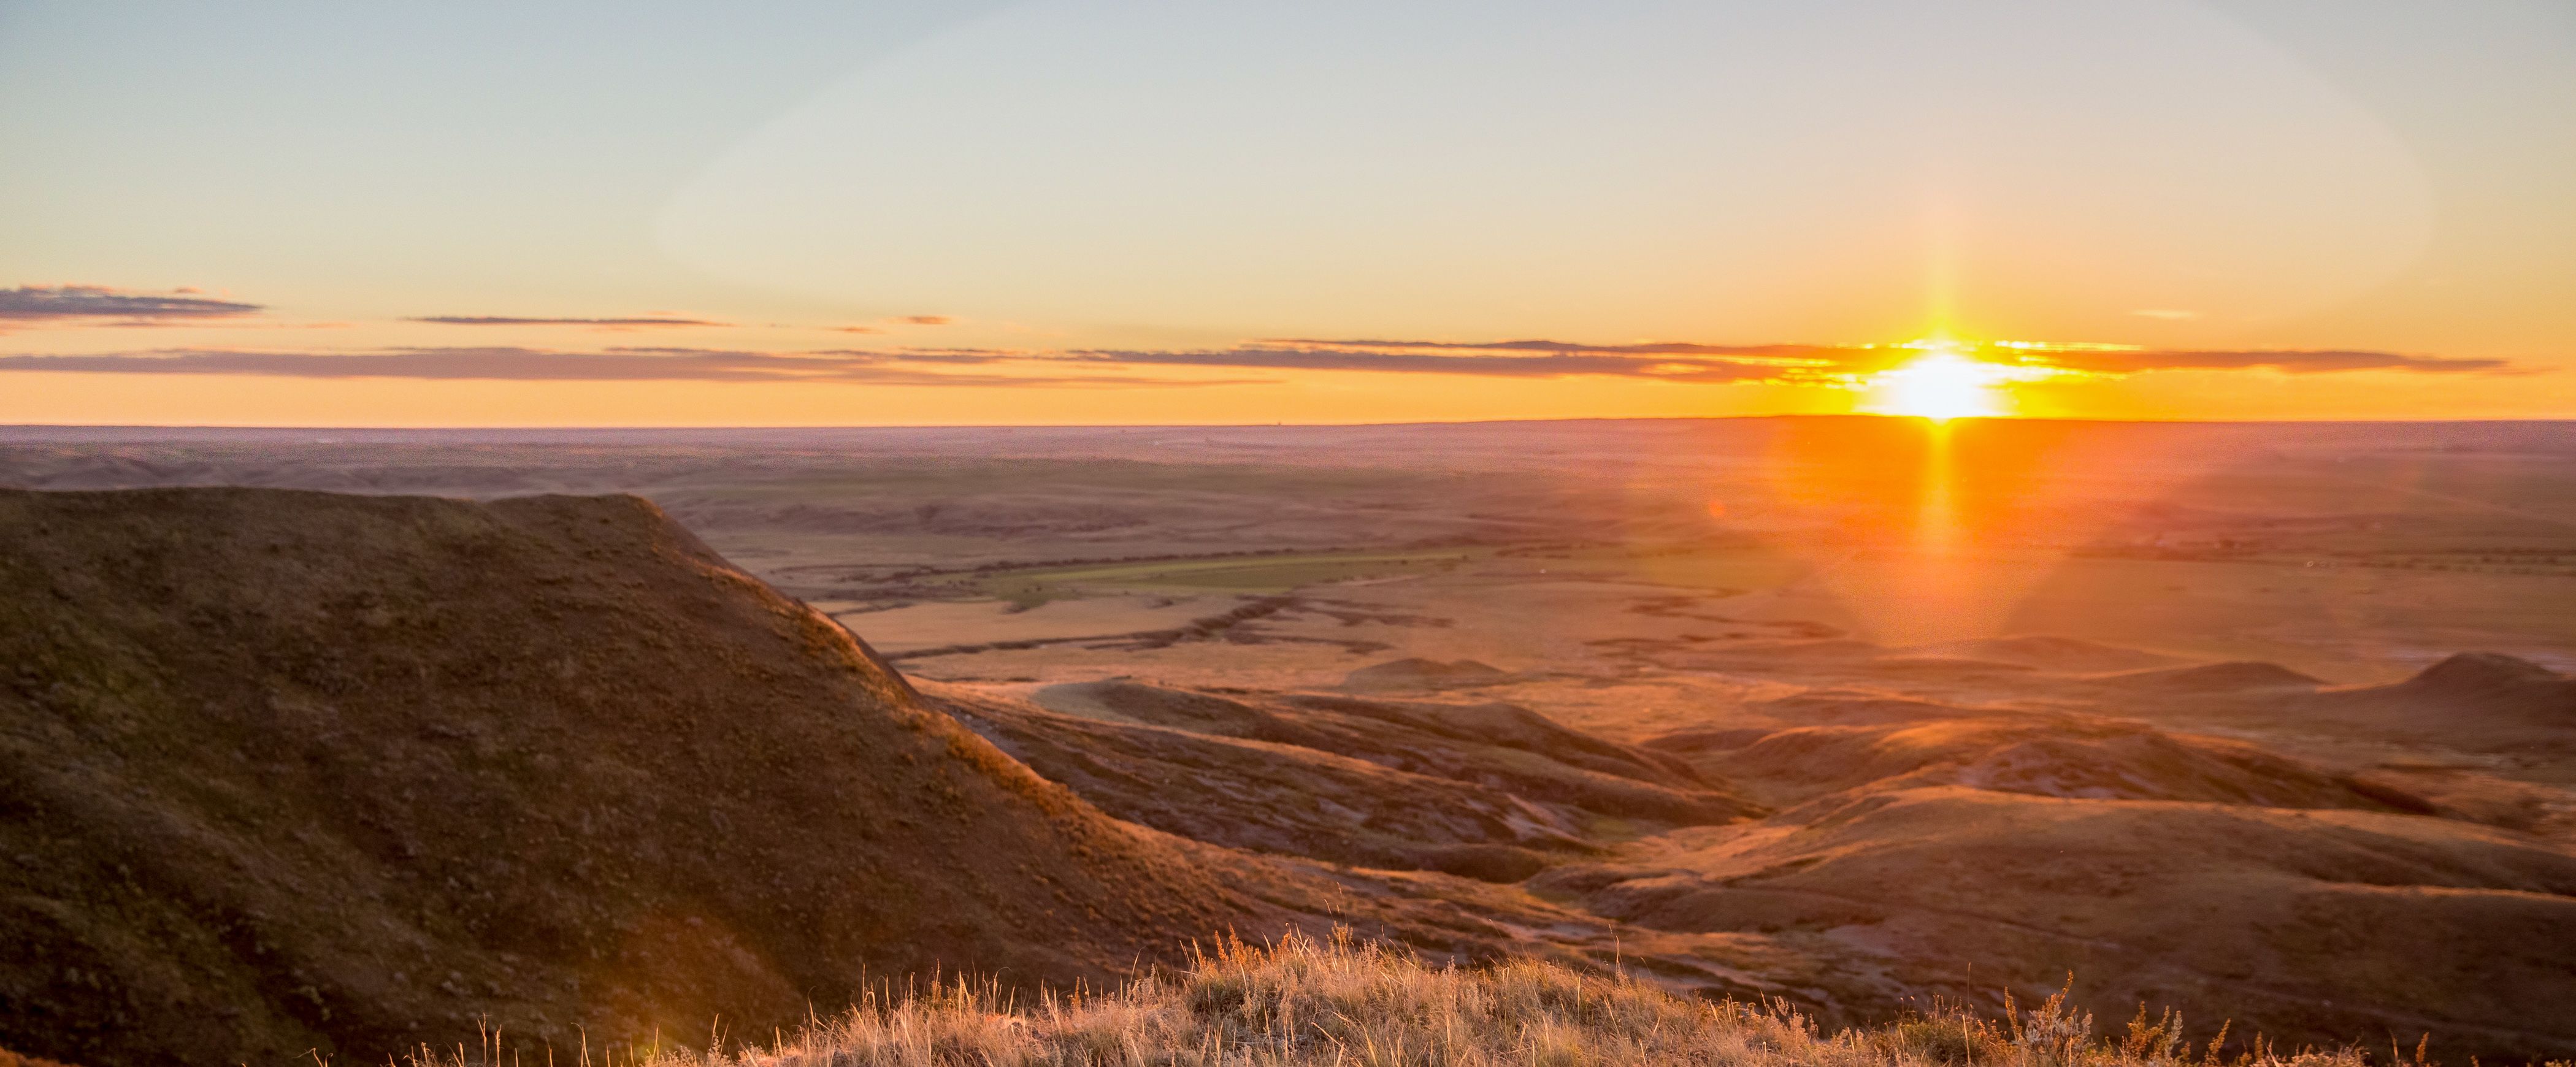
{"x": 1939, "y": 385}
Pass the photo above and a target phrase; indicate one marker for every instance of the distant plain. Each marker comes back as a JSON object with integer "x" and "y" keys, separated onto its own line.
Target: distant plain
{"x": 2178, "y": 708}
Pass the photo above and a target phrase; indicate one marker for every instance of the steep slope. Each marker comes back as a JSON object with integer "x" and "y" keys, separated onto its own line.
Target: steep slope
{"x": 284, "y": 771}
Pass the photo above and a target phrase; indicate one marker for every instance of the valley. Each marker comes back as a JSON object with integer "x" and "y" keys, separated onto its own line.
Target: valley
{"x": 2270, "y": 724}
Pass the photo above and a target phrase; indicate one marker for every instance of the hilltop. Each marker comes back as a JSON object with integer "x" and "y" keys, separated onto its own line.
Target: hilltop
{"x": 287, "y": 770}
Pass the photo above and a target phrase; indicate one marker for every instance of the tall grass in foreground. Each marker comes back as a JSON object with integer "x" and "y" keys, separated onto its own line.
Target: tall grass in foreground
{"x": 1310, "y": 1002}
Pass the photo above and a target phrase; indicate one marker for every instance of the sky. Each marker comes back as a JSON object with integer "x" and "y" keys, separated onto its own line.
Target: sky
{"x": 1202, "y": 211}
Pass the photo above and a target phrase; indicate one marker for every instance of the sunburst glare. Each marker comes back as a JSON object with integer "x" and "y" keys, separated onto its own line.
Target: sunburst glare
{"x": 1940, "y": 385}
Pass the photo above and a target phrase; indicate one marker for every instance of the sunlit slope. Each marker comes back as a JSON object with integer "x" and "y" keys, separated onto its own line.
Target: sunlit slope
{"x": 1303, "y": 1002}
{"x": 2214, "y": 875}
{"x": 284, "y": 771}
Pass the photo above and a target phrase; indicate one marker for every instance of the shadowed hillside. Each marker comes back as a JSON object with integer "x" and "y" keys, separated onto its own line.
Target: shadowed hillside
{"x": 1492, "y": 792}
{"x": 284, "y": 771}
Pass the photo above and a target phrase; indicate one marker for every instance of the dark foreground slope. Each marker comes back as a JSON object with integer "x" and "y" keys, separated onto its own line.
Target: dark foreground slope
{"x": 284, "y": 771}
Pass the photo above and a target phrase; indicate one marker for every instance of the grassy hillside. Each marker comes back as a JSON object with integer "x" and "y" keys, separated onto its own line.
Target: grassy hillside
{"x": 284, "y": 771}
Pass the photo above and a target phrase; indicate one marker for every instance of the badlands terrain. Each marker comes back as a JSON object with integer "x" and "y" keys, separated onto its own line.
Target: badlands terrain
{"x": 2268, "y": 724}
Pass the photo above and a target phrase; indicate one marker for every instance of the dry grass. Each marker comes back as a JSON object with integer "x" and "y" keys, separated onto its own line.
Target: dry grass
{"x": 12, "y": 1059}
{"x": 1340, "y": 1003}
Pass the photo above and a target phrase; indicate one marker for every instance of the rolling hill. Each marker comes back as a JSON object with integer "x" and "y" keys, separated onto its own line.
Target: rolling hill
{"x": 284, "y": 770}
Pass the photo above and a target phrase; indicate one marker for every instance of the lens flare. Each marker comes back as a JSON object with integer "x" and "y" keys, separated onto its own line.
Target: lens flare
{"x": 1940, "y": 385}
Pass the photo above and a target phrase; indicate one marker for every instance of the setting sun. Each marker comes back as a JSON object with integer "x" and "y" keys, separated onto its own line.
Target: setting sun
{"x": 1940, "y": 385}
{"x": 1484, "y": 486}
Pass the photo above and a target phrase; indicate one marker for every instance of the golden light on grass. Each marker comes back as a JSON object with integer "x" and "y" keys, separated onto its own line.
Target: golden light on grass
{"x": 1308, "y": 1002}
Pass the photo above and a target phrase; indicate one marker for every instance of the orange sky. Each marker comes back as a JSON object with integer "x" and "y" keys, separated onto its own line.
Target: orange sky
{"x": 1122, "y": 211}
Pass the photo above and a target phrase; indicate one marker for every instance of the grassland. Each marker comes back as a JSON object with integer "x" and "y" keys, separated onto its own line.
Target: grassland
{"x": 1980, "y": 669}
{"x": 1308, "y": 1002}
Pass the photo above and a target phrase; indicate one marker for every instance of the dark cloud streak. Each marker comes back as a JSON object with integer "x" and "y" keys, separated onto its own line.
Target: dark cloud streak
{"x": 39, "y": 303}
{"x": 506, "y": 320}
{"x": 1793, "y": 364}
{"x": 1686, "y": 362}
{"x": 2290, "y": 361}
{"x": 1483, "y": 364}
{"x": 1647, "y": 348}
{"x": 540, "y": 365}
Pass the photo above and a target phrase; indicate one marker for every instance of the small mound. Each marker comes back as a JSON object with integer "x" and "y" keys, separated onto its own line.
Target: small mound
{"x": 1936, "y": 667}
{"x": 1853, "y": 707}
{"x": 2481, "y": 674}
{"x": 1500, "y": 746}
{"x": 1120, "y": 699}
{"x": 1275, "y": 798}
{"x": 1693, "y": 742}
{"x": 2475, "y": 701}
{"x": 1501, "y": 724}
{"x": 2237, "y": 676}
{"x": 2049, "y": 653}
{"x": 2070, "y": 757}
{"x": 1423, "y": 674}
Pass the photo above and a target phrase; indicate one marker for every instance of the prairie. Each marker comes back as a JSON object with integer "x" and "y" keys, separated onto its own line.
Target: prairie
{"x": 2267, "y": 724}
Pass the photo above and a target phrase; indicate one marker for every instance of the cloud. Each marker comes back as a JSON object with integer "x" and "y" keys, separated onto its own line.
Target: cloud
{"x": 542, "y": 365}
{"x": 906, "y": 320}
{"x": 2165, "y": 314}
{"x": 2292, "y": 361}
{"x": 506, "y": 320}
{"x": 942, "y": 355}
{"x": 39, "y": 303}
{"x": 1674, "y": 361}
{"x": 1478, "y": 363}
{"x": 1785, "y": 352}
{"x": 1685, "y": 361}
{"x": 1826, "y": 365}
